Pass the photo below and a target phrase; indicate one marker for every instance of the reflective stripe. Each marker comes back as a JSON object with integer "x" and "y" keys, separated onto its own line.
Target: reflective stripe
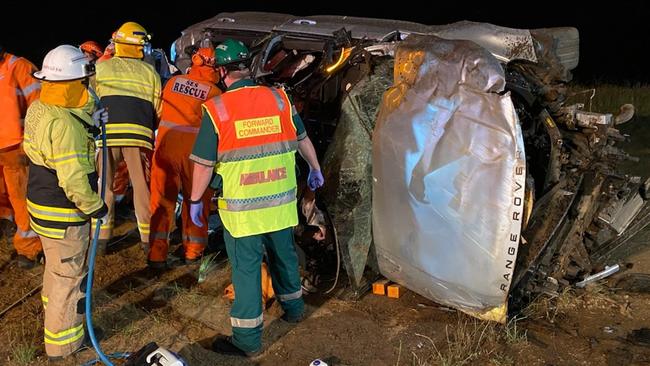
{"x": 12, "y": 60}
{"x": 115, "y": 128}
{"x": 195, "y": 239}
{"x": 294, "y": 111}
{"x": 221, "y": 109}
{"x": 125, "y": 142}
{"x": 247, "y": 323}
{"x": 144, "y": 228}
{"x": 54, "y": 213}
{"x": 246, "y": 204}
{"x": 278, "y": 99}
{"x": 44, "y": 300}
{"x": 71, "y": 156}
{"x": 65, "y": 337}
{"x": 48, "y": 232}
{"x": 51, "y": 209}
{"x": 26, "y": 234}
{"x": 291, "y": 296}
{"x": 177, "y": 127}
{"x": 104, "y": 225}
{"x": 255, "y": 152}
{"x": 301, "y": 136}
{"x": 202, "y": 161}
{"x": 30, "y": 88}
{"x": 159, "y": 235}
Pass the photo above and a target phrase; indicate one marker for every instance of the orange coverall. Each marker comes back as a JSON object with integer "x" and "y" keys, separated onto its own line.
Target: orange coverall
{"x": 17, "y": 91}
{"x": 171, "y": 170}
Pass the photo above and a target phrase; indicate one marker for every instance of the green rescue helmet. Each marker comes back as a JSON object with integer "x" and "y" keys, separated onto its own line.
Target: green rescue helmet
{"x": 230, "y": 52}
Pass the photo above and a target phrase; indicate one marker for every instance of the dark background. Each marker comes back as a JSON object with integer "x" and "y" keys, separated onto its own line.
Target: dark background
{"x": 613, "y": 36}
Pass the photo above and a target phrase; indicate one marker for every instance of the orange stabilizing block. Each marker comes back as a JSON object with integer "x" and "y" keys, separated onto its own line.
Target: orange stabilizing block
{"x": 379, "y": 287}
{"x": 394, "y": 290}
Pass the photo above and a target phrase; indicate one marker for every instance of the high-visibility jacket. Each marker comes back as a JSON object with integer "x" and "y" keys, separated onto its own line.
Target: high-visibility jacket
{"x": 130, "y": 89}
{"x": 18, "y": 89}
{"x": 256, "y": 159}
{"x": 182, "y": 99}
{"x": 62, "y": 188}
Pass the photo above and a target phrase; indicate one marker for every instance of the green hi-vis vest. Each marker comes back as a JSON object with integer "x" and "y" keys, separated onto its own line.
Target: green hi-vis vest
{"x": 256, "y": 159}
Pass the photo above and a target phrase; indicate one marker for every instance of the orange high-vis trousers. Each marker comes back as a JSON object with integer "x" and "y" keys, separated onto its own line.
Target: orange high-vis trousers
{"x": 6, "y": 211}
{"x": 171, "y": 172}
{"x": 13, "y": 163}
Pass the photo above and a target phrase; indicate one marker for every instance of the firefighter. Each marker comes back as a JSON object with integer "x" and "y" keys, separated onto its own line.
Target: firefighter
{"x": 251, "y": 133}
{"x": 62, "y": 190}
{"x": 171, "y": 170}
{"x": 109, "y": 52}
{"x": 17, "y": 91}
{"x": 92, "y": 50}
{"x": 130, "y": 89}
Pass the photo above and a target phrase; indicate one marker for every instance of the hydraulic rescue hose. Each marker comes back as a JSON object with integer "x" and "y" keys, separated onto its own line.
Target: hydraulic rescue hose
{"x": 91, "y": 265}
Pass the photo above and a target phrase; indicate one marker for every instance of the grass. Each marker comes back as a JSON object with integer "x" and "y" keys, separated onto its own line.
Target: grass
{"x": 608, "y": 98}
{"x": 501, "y": 359}
{"x": 470, "y": 341}
{"x": 514, "y": 335}
{"x": 23, "y": 354}
{"x": 467, "y": 341}
{"x": 208, "y": 263}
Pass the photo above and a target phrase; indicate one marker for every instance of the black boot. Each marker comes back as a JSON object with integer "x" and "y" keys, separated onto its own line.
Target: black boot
{"x": 24, "y": 262}
{"x": 224, "y": 346}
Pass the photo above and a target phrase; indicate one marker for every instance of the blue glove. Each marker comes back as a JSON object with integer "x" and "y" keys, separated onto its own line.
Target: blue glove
{"x": 315, "y": 179}
{"x": 196, "y": 210}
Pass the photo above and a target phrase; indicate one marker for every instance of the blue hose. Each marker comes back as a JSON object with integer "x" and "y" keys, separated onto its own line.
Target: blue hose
{"x": 91, "y": 260}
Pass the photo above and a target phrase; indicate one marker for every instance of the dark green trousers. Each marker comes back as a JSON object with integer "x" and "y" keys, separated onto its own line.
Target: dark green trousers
{"x": 245, "y": 256}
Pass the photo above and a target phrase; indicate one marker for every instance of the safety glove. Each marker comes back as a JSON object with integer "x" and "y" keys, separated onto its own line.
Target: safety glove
{"x": 315, "y": 179}
{"x": 196, "y": 210}
{"x": 100, "y": 116}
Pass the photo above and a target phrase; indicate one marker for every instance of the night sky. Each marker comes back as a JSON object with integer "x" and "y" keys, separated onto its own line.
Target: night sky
{"x": 613, "y": 38}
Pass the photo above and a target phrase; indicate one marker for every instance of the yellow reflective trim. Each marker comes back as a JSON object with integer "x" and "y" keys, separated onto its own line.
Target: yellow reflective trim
{"x": 126, "y": 126}
{"x": 52, "y": 209}
{"x": 49, "y": 232}
{"x": 65, "y": 341}
{"x": 65, "y": 332}
{"x": 55, "y": 217}
{"x": 126, "y": 142}
{"x": 144, "y": 228}
{"x": 116, "y": 131}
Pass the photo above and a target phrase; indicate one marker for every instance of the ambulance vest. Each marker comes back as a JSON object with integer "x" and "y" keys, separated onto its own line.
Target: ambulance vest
{"x": 256, "y": 159}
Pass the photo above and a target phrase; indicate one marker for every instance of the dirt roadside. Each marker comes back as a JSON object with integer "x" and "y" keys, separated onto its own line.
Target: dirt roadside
{"x": 134, "y": 306}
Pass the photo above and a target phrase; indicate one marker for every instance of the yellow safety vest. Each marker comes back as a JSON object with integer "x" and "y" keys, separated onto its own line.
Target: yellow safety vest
{"x": 256, "y": 159}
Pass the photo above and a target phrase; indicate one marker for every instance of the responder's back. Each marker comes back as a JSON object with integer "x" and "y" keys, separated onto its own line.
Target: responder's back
{"x": 17, "y": 90}
{"x": 61, "y": 151}
{"x": 130, "y": 89}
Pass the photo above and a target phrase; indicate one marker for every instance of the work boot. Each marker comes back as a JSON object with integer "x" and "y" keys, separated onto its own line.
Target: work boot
{"x": 25, "y": 262}
{"x": 294, "y": 319}
{"x": 224, "y": 346}
{"x": 156, "y": 265}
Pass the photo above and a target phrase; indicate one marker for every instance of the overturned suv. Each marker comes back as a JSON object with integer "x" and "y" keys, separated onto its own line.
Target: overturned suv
{"x": 454, "y": 164}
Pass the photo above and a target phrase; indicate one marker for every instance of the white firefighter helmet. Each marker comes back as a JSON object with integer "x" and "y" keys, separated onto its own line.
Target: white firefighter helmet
{"x": 65, "y": 63}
